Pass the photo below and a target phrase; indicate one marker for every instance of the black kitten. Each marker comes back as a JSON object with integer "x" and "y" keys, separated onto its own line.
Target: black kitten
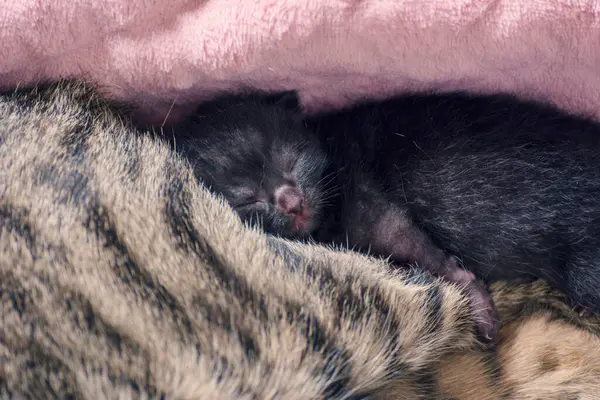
{"x": 255, "y": 152}
{"x": 509, "y": 187}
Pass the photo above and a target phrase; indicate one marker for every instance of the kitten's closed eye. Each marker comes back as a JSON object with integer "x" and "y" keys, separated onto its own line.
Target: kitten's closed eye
{"x": 245, "y": 203}
{"x": 251, "y": 203}
{"x": 244, "y": 197}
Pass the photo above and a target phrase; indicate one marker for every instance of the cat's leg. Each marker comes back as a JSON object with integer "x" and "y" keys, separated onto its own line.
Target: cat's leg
{"x": 409, "y": 320}
{"x": 374, "y": 222}
{"x": 404, "y": 241}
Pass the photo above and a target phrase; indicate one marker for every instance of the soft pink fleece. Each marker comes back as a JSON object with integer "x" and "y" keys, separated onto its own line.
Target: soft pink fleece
{"x": 169, "y": 54}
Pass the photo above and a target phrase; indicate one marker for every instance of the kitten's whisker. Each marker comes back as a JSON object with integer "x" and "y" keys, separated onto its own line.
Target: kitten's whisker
{"x": 326, "y": 180}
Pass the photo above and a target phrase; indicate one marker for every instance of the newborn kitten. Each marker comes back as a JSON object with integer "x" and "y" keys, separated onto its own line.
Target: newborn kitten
{"x": 257, "y": 153}
{"x": 507, "y": 186}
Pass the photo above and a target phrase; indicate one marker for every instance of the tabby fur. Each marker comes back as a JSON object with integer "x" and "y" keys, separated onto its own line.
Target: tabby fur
{"x": 122, "y": 277}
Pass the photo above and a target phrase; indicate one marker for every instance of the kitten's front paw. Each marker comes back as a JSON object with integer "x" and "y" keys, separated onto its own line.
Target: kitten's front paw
{"x": 481, "y": 300}
{"x": 485, "y": 311}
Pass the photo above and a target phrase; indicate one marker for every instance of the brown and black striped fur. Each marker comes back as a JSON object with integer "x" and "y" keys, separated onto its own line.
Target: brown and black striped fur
{"x": 122, "y": 277}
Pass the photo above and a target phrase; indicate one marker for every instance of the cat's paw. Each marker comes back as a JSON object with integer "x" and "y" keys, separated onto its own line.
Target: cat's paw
{"x": 484, "y": 309}
{"x": 482, "y": 304}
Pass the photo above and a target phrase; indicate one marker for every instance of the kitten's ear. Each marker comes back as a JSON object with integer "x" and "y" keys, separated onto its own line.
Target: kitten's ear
{"x": 288, "y": 100}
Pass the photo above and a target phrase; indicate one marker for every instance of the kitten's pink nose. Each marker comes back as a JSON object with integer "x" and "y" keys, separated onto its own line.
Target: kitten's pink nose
{"x": 289, "y": 200}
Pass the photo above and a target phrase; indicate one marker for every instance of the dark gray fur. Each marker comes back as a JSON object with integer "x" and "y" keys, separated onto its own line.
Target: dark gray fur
{"x": 510, "y": 188}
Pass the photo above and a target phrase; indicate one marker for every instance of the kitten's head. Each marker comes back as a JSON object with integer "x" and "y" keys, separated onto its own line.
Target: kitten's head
{"x": 256, "y": 152}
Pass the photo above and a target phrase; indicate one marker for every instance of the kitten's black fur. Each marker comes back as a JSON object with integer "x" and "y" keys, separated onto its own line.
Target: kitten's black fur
{"x": 511, "y": 188}
{"x": 246, "y": 148}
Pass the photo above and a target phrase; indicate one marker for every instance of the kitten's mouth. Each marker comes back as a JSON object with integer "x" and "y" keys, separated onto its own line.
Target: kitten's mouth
{"x": 302, "y": 222}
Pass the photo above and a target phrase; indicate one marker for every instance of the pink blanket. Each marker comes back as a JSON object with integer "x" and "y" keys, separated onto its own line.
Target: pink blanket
{"x": 165, "y": 56}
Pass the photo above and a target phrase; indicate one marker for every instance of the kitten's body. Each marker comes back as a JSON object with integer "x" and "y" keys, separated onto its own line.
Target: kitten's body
{"x": 511, "y": 188}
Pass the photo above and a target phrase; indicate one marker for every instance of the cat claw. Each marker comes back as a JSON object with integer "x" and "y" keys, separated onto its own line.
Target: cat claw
{"x": 584, "y": 311}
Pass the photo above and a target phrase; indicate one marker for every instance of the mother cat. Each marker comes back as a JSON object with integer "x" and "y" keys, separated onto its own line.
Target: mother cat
{"x": 121, "y": 277}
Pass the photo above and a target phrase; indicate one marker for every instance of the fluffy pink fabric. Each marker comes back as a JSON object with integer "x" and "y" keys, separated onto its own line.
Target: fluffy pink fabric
{"x": 158, "y": 53}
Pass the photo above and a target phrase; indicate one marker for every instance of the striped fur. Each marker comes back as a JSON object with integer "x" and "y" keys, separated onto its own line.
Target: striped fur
{"x": 121, "y": 277}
